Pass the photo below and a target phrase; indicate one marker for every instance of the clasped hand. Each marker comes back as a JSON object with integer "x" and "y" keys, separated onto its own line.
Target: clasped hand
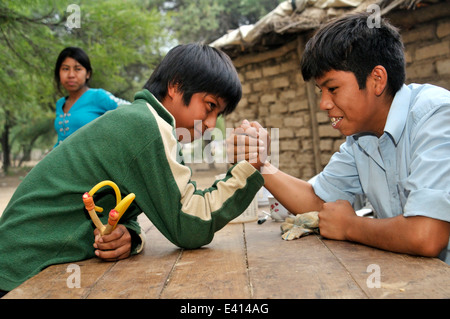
{"x": 335, "y": 218}
{"x": 249, "y": 142}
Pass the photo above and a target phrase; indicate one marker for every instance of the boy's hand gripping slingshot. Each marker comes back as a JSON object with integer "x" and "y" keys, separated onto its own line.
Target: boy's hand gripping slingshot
{"x": 114, "y": 215}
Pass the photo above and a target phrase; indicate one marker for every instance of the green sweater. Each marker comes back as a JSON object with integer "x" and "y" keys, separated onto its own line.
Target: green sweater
{"x": 135, "y": 146}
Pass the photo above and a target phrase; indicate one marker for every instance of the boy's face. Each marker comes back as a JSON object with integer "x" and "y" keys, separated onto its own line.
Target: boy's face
{"x": 350, "y": 109}
{"x": 201, "y": 114}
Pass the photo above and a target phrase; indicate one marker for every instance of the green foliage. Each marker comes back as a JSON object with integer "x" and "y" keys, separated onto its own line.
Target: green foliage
{"x": 206, "y": 20}
{"x": 122, "y": 38}
{"x": 197, "y": 20}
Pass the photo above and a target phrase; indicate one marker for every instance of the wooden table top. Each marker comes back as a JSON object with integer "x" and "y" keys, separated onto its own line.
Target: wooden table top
{"x": 247, "y": 261}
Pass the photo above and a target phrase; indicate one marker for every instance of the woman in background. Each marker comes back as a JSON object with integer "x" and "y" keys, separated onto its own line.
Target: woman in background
{"x": 83, "y": 104}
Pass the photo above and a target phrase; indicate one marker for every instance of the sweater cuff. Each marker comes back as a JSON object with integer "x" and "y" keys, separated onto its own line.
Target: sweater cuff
{"x": 137, "y": 241}
{"x": 247, "y": 169}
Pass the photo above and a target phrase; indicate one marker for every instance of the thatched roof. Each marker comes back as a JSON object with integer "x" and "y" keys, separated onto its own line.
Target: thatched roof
{"x": 296, "y": 16}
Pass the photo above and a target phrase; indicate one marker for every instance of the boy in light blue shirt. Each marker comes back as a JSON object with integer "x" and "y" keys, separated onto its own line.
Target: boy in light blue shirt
{"x": 397, "y": 151}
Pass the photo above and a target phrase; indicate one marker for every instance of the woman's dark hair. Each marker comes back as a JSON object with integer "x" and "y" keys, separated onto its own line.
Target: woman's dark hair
{"x": 76, "y": 54}
{"x": 197, "y": 68}
{"x": 354, "y": 43}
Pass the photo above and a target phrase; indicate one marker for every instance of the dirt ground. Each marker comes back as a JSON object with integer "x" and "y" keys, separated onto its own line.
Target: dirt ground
{"x": 202, "y": 174}
{"x": 8, "y": 185}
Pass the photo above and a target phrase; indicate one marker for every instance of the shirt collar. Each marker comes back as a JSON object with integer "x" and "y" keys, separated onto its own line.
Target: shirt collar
{"x": 395, "y": 125}
{"x": 396, "y": 120}
{"x": 157, "y": 106}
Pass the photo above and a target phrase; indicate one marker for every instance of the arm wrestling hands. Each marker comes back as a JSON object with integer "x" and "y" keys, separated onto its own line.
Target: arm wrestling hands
{"x": 249, "y": 142}
{"x": 252, "y": 142}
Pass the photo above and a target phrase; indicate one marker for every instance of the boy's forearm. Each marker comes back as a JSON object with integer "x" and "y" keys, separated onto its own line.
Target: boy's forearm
{"x": 295, "y": 194}
{"x": 416, "y": 235}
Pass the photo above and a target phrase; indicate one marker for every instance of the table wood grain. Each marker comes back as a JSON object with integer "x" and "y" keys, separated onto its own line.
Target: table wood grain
{"x": 247, "y": 261}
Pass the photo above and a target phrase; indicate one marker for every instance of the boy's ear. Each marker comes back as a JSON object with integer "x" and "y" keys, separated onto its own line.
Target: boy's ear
{"x": 172, "y": 89}
{"x": 379, "y": 77}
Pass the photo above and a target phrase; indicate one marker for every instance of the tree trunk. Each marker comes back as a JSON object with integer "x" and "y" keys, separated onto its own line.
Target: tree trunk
{"x": 5, "y": 145}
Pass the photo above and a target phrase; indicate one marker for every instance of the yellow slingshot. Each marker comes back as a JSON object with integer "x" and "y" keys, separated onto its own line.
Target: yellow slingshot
{"x": 114, "y": 215}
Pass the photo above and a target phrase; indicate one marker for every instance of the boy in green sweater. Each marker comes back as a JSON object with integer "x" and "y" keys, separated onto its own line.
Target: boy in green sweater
{"x": 137, "y": 147}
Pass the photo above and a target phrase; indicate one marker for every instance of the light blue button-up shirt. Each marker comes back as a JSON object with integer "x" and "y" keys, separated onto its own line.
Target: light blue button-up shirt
{"x": 405, "y": 171}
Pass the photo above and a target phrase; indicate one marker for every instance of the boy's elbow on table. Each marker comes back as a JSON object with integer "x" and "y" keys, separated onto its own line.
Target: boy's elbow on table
{"x": 431, "y": 248}
{"x": 430, "y": 243}
{"x": 192, "y": 241}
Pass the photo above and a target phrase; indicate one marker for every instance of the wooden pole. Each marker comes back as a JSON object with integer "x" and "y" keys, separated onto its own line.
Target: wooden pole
{"x": 312, "y": 106}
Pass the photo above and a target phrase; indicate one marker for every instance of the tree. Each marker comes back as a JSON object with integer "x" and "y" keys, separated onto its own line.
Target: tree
{"x": 206, "y": 20}
{"x": 122, "y": 39}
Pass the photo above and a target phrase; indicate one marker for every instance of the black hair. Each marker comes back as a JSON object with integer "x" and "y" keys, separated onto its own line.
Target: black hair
{"x": 352, "y": 43}
{"x": 197, "y": 68}
{"x": 77, "y": 54}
